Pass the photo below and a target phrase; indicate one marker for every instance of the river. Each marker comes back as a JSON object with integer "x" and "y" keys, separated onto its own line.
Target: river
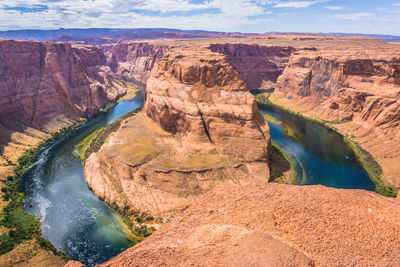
{"x": 85, "y": 228}
{"x": 72, "y": 217}
{"x": 319, "y": 153}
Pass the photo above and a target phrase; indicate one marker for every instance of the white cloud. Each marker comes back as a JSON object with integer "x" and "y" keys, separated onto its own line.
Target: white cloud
{"x": 333, "y": 7}
{"x": 170, "y": 5}
{"x": 227, "y": 15}
{"x": 240, "y": 8}
{"x": 237, "y": 8}
{"x": 396, "y": 4}
{"x": 297, "y": 4}
{"x": 223, "y": 15}
{"x": 353, "y": 16}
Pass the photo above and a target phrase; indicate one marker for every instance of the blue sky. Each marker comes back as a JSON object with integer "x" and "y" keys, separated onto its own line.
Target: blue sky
{"x": 350, "y": 16}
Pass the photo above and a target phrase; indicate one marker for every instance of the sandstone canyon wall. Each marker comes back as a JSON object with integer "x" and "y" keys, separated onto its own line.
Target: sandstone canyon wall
{"x": 258, "y": 66}
{"x": 135, "y": 60}
{"x": 361, "y": 89}
{"x": 200, "y": 130}
{"x": 199, "y": 94}
{"x": 45, "y": 85}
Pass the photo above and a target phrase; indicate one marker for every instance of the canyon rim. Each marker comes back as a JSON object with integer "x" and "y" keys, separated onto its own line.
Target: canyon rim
{"x": 163, "y": 147}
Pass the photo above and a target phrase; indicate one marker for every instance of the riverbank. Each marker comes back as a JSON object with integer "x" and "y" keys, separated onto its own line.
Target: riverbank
{"x": 19, "y": 227}
{"x": 21, "y": 231}
{"x": 366, "y": 160}
{"x": 282, "y": 168}
{"x": 141, "y": 224}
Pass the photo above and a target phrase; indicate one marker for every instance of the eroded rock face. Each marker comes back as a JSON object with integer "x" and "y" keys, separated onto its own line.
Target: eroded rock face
{"x": 45, "y": 86}
{"x": 135, "y": 60}
{"x": 200, "y": 96}
{"x": 363, "y": 90}
{"x": 40, "y": 81}
{"x": 200, "y": 130}
{"x": 276, "y": 225}
{"x": 258, "y": 66}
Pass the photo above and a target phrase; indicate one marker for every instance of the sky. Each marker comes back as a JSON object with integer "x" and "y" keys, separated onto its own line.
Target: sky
{"x": 258, "y": 16}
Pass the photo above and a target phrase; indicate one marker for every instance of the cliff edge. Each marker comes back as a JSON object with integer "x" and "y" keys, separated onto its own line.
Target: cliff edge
{"x": 276, "y": 225}
{"x": 45, "y": 86}
{"x": 358, "y": 90}
{"x": 200, "y": 129}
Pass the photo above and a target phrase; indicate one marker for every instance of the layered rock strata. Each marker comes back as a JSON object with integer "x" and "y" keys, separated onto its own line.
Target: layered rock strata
{"x": 258, "y": 66}
{"x": 134, "y": 60}
{"x": 276, "y": 225}
{"x": 200, "y": 130}
{"x": 46, "y": 85}
{"x": 43, "y": 87}
{"x": 199, "y": 95}
{"x": 361, "y": 89}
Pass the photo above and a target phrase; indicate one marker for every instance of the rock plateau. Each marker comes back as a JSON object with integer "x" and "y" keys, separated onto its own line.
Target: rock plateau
{"x": 200, "y": 129}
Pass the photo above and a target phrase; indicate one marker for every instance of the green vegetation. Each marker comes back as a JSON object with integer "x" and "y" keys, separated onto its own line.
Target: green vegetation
{"x": 270, "y": 118}
{"x": 135, "y": 221}
{"x": 373, "y": 168}
{"x": 82, "y": 146}
{"x": 98, "y": 140}
{"x": 262, "y": 100}
{"x": 334, "y": 122}
{"x": 108, "y": 106}
{"x": 9, "y": 162}
{"x": 23, "y": 226}
{"x": 289, "y": 160}
{"x": 366, "y": 160}
{"x": 262, "y": 91}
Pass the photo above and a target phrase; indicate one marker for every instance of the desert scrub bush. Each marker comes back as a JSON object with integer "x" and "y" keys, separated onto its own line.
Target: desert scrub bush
{"x": 9, "y": 162}
{"x": 20, "y": 224}
{"x": 366, "y": 160}
{"x": 373, "y": 168}
{"x": 83, "y": 145}
{"x": 134, "y": 220}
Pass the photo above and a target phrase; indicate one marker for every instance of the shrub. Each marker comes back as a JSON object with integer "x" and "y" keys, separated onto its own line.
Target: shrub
{"x": 387, "y": 191}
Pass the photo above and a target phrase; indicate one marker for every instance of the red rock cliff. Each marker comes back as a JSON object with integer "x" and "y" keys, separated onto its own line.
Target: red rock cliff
{"x": 258, "y": 66}
{"x": 135, "y": 60}
{"x": 39, "y": 80}
{"x": 363, "y": 88}
{"x": 43, "y": 82}
{"x": 200, "y": 130}
{"x": 200, "y": 95}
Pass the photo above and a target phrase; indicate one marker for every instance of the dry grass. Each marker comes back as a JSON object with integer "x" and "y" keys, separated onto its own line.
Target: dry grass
{"x": 30, "y": 254}
{"x": 192, "y": 162}
{"x": 130, "y": 92}
{"x": 141, "y": 141}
